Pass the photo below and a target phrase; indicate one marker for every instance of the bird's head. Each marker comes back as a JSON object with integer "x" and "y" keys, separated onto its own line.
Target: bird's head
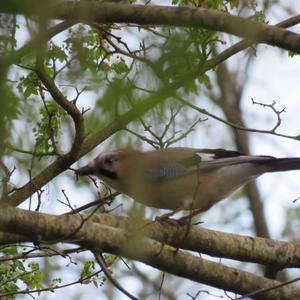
{"x": 106, "y": 165}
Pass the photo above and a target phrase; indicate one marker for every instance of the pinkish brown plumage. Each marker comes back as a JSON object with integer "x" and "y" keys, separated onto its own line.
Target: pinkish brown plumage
{"x": 181, "y": 178}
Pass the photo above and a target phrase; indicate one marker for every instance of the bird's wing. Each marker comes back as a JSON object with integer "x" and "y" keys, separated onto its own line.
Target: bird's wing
{"x": 202, "y": 160}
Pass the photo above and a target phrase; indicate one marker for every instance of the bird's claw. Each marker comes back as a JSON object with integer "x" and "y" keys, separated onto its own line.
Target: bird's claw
{"x": 182, "y": 221}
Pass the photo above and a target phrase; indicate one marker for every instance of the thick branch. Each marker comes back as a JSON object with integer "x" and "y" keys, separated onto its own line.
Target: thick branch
{"x": 244, "y": 44}
{"x": 165, "y": 15}
{"x": 42, "y": 227}
{"x": 278, "y": 254}
{"x": 9, "y": 238}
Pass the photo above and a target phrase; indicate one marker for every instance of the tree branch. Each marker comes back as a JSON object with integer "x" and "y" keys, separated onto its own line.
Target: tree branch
{"x": 133, "y": 245}
{"x": 108, "y": 12}
{"x": 278, "y": 254}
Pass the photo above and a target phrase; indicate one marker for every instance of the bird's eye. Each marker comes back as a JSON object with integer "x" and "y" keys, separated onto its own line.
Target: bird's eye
{"x": 108, "y": 161}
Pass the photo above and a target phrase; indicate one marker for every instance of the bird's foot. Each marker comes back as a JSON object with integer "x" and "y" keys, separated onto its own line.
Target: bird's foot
{"x": 181, "y": 221}
{"x": 165, "y": 218}
{"x": 187, "y": 221}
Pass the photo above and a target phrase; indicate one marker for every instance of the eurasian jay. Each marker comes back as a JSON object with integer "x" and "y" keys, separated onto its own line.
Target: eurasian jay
{"x": 181, "y": 178}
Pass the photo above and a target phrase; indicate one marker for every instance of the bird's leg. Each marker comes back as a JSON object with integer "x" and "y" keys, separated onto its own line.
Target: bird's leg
{"x": 187, "y": 219}
{"x": 166, "y": 217}
{"x": 181, "y": 221}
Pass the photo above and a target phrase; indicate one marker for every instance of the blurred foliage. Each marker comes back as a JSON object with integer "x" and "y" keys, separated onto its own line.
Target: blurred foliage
{"x": 292, "y": 222}
{"x": 17, "y": 272}
{"x": 48, "y": 130}
{"x": 88, "y": 271}
{"x": 105, "y": 69}
{"x": 28, "y": 85}
{"x": 8, "y": 27}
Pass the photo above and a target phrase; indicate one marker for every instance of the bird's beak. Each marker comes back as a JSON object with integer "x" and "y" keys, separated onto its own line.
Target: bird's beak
{"x": 86, "y": 170}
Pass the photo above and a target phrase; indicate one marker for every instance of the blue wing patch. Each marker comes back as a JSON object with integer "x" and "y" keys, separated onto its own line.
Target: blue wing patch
{"x": 174, "y": 170}
{"x": 167, "y": 172}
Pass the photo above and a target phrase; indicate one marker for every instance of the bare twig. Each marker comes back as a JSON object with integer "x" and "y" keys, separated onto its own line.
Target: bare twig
{"x": 237, "y": 126}
{"x": 6, "y": 178}
{"x": 33, "y": 152}
{"x": 272, "y": 107}
{"x": 161, "y": 140}
{"x": 204, "y": 292}
{"x": 264, "y": 290}
{"x": 51, "y": 288}
{"x": 161, "y": 285}
{"x": 100, "y": 260}
{"x": 42, "y": 253}
{"x": 39, "y": 196}
{"x": 98, "y": 202}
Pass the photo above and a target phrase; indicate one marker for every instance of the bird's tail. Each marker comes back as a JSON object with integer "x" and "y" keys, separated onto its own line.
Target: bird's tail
{"x": 283, "y": 164}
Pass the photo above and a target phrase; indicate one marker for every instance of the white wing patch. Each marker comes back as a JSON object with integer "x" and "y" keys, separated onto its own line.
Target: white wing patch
{"x": 206, "y": 156}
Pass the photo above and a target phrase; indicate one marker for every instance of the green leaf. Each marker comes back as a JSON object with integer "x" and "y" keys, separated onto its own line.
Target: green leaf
{"x": 120, "y": 67}
{"x": 30, "y": 90}
{"x": 204, "y": 79}
{"x": 10, "y": 250}
{"x": 28, "y": 85}
{"x": 88, "y": 268}
{"x": 20, "y": 265}
{"x": 56, "y": 52}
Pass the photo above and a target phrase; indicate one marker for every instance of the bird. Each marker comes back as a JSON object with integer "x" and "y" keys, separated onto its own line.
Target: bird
{"x": 180, "y": 179}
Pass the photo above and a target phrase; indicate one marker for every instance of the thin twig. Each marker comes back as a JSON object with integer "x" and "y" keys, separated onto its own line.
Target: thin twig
{"x": 100, "y": 260}
{"x": 236, "y": 126}
{"x": 51, "y": 288}
{"x": 264, "y": 290}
